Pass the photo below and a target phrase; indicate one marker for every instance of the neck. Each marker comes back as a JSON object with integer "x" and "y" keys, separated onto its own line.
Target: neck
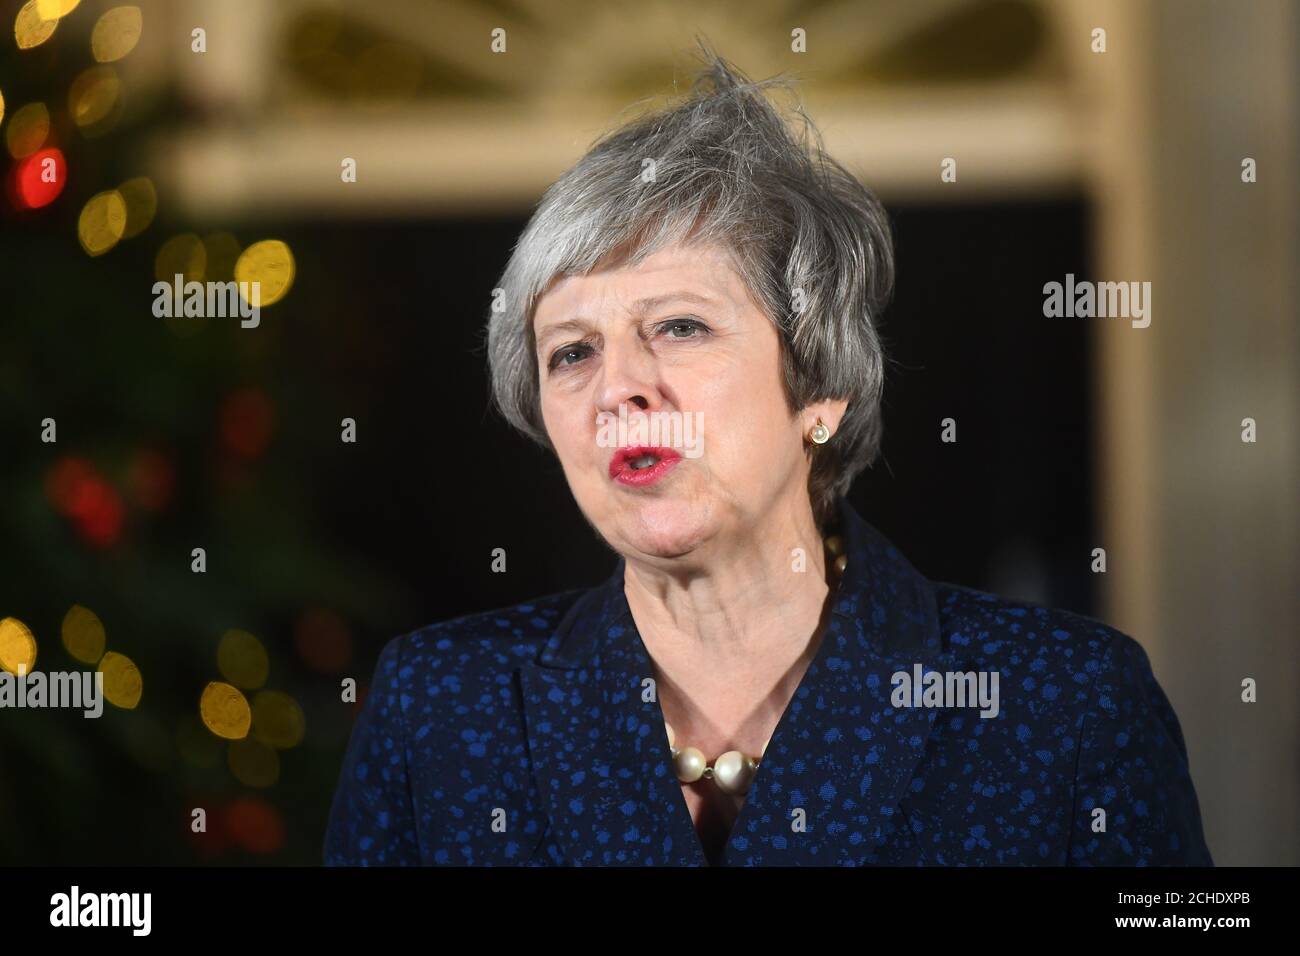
{"x": 745, "y": 601}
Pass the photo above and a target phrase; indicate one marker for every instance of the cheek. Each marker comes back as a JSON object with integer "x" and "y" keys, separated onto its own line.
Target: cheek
{"x": 747, "y": 429}
{"x": 567, "y": 427}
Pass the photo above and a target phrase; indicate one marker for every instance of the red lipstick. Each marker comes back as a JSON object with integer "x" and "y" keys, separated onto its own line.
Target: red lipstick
{"x": 654, "y": 463}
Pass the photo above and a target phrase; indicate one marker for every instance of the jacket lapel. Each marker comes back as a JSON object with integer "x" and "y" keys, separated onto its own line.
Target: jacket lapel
{"x": 840, "y": 761}
{"x": 828, "y": 789}
{"x": 599, "y": 752}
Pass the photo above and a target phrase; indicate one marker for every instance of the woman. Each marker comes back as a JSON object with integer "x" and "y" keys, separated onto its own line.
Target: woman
{"x": 689, "y": 321}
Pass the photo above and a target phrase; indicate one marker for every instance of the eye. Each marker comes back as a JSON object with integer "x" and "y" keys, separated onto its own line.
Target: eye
{"x": 568, "y": 355}
{"x": 682, "y": 328}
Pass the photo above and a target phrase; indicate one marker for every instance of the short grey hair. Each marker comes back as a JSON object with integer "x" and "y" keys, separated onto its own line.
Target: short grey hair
{"x": 811, "y": 243}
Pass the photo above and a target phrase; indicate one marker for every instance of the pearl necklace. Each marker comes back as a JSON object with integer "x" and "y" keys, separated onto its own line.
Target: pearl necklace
{"x": 733, "y": 771}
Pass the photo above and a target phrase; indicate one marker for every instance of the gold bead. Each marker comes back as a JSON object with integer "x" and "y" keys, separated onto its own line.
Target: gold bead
{"x": 835, "y": 544}
{"x": 841, "y": 563}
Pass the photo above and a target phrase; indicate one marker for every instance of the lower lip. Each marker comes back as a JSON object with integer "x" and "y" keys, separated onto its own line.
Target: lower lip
{"x": 640, "y": 477}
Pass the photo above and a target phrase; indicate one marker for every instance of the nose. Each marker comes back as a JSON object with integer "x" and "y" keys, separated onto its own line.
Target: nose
{"x": 628, "y": 374}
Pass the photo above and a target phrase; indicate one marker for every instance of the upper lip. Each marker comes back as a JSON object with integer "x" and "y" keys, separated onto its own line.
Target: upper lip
{"x": 622, "y": 456}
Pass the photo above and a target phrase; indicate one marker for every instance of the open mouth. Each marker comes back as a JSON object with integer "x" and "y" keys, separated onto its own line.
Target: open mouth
{"x": 642, "y": 466}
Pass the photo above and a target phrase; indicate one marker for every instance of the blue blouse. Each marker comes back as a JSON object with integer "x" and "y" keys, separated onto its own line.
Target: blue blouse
{"x": 525, "y": 736}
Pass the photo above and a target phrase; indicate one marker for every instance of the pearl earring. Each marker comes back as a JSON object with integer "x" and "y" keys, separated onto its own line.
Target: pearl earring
{"x": 820, "y": 434}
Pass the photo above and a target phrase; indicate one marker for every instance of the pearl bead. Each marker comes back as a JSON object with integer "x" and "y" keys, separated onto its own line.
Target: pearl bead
{"x": 835, "y": 544}
{"x": 690, "y": 764}
{"x": 841, "y": 563}
{"x": 733, "y": 771}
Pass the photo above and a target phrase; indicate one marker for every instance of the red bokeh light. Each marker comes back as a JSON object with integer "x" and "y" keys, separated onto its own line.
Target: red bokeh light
{"x": 98, "y": 513}
{"x": 152, "y": 479}
{"x": 255, "y": 825}
{"x": 77, "y": 491}
{"x": 323, "y": 641}
{"x": 38, "y": 179}
{"x": 247, "y": 422}
{"x": 63, "y": 480}
{"x": 213, "y": 840}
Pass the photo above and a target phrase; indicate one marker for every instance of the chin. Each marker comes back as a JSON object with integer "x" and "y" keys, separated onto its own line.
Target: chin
{"x": 665, "y": 527}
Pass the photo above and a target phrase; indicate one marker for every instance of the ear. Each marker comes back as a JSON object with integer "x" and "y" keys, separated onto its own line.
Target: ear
{"x": 830, "y": 411}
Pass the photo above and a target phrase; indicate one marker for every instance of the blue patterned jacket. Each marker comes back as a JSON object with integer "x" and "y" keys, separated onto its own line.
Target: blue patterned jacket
{"x": 522, "y": 737}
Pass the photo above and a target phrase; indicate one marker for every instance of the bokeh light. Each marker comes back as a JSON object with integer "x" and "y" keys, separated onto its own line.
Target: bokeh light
{"x": 31, "y": 27}
{"x": 141, "y": 203}
{"x": 242, "y": 659}
{"x": 247, "y": 422}
{"x": 181, "y": 255}
{"x": 278, "y": 720}
{"x": 2, "y": 106}
{"x": 123, "y": 684}
{"x": 83, "y": 635}
{"x": 253, "y": 763}
{"x": 56, "y": 9}
{"x": 94, "y": 98}
{"x": 184, "y": 255}
{"x": 17, "y": 646}
{"x": 116, "y": 33}
{"x": 77, "y": 491}
{"x": 323, "y": 640}
{"x": 102, "y": 222}
{"x": 28, "y": 129}
{"x": 151, "y": 478}
{"x": 225, "y": 711}
{"x": 38, "y": 180}
{"x": 63, "y": 481}
{"x": 270, "y": 263}
{"x": 255, "y": 825}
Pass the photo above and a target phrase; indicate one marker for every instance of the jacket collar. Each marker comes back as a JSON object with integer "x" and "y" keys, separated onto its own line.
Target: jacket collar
{"x": 837, "y": 764}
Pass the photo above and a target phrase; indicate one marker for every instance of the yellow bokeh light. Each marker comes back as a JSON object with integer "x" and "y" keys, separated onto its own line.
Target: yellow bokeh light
{"x": 278, "y": 720}
{"x": 102, "y": 222}
{"x": 269, "y": 263}
{"x": 225, "y": 711}
{"x": 186, "y": 256}
{"x": 253, "y": 763}
{"x": 141, "y": 203}
{"x": 56, "y": 9}
{"x": 93, "y": 95}
{"x": 181, "y": 255}
{"x": 17, "y": 646}
{"x": 83, "y": 634}
{"x": 242, "y": 660}
{"x": 116, "y": 33}
{"x": 2, "y": 107}
{"x": 27, "y": 130}
{"x": 123, "y": 684}
{"x": 31, "y": 28}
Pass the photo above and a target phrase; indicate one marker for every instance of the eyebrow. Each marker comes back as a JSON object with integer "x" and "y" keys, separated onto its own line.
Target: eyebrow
{"x": 640, "y": 307}
{"x": 648, "y": 304}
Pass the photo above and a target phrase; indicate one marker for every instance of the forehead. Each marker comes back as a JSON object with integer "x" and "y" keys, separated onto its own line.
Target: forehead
{"x": 703, "y": 274}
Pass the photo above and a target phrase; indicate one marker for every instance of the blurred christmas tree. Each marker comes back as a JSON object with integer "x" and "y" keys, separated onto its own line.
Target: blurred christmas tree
{"x": 156, "y": 515}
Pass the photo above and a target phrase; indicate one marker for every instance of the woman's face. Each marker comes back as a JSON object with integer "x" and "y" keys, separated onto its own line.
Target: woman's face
{"x": 675, "y": 339}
